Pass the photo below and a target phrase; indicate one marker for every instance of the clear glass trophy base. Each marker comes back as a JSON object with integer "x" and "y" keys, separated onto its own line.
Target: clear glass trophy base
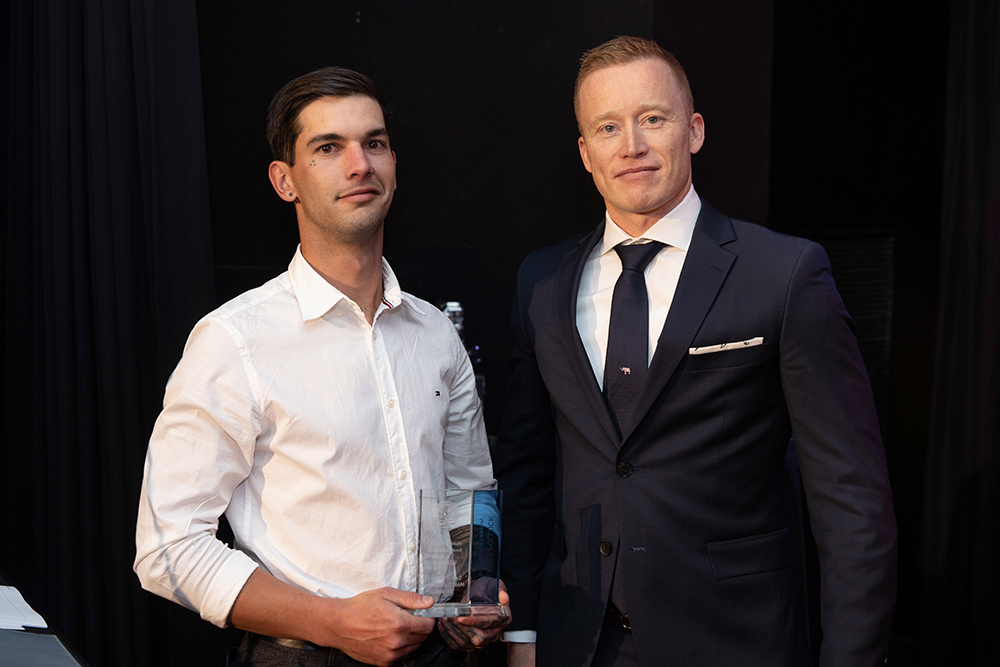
{"x": 457, "y": 609}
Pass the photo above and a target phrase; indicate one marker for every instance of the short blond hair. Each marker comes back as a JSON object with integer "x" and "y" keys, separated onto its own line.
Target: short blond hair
{"x": 621, "y": 51}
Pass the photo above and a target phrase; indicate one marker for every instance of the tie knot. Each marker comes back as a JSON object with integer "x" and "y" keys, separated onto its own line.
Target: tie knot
{"x": 636, "y": 256}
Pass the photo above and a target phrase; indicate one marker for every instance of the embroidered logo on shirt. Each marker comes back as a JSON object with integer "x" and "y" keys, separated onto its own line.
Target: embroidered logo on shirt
{"x": 626, "y": 370}
{"x": 437, "y": 393}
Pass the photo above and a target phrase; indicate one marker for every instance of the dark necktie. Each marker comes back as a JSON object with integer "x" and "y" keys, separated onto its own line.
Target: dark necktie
{"x": 628, "y": 355}
{"x": 628, "y": 333}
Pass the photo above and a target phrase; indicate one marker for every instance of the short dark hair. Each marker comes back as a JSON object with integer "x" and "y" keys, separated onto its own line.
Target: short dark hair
{"x": 622, "y": 51}
{"x": 283, "y": 126}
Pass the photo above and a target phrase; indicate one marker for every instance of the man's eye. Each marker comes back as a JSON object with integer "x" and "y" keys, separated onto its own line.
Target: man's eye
{"x": 608, "y": 129}
{"x": 326, "y": 149}
{"x": 653, "y": 120}
{"x": 374, "y": 144}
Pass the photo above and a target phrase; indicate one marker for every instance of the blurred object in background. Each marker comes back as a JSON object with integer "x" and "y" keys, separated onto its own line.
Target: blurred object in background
{"x": 455, "y": 313}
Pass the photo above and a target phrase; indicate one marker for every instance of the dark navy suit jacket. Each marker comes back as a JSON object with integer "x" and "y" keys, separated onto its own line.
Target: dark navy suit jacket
{"x": 696, "y": 512}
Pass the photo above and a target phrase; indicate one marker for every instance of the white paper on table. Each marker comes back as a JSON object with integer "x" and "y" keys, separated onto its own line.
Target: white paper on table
{"x": 15, "y": 613}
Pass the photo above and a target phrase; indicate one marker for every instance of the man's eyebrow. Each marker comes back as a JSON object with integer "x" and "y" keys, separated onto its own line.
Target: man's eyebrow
{"x": 333, "y": 137}
{"x": 665, "y": 109}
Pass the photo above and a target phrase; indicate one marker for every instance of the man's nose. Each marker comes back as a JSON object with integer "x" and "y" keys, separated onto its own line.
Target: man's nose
{"x": 356, "y": 162}
{"x": 635, "y": 142}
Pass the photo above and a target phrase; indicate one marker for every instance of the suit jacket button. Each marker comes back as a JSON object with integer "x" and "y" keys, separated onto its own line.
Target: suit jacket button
{"x": 605, "y": 548}
{"x": 624, "y": 469}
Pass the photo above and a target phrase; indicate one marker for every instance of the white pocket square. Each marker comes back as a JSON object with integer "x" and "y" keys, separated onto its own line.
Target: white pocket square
{"x": 709, "y": 349}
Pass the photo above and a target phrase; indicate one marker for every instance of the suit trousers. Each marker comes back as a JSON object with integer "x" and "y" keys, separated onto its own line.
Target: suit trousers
{"x": 615, "y": 647}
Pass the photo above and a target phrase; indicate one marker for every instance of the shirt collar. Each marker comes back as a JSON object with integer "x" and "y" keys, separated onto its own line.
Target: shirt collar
{"x": 674, "y": 229}
{"x": 316, "y": 296}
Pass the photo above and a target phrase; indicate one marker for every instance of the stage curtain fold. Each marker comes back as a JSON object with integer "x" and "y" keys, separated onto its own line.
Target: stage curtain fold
{"x": 108, "y": 263}
{"x": 961, "y": 530}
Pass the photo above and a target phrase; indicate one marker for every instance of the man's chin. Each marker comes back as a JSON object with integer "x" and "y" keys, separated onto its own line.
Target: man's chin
{"x": 363, "y": 228}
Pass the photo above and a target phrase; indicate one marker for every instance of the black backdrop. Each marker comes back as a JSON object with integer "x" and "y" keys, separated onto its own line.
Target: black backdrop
{"x": 830, "y": 123}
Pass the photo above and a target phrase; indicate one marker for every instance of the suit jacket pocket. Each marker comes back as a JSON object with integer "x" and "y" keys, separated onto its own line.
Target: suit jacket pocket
{"x": 750, "y": 555}
{"x": 737, "y": 356}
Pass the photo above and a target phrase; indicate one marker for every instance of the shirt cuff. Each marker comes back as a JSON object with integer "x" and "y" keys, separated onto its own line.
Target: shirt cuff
{"x": 520, "y": 636}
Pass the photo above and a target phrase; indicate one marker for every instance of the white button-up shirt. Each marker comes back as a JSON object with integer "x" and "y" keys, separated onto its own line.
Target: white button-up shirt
{"x": 313, "y": 432}
{"x": 603, "y": 267}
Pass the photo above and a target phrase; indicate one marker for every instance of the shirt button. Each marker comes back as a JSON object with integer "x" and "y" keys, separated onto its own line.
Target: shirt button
{"x": 392, "y": 403}
{"x": 374, "y": 336}
{"x": 606, "y": 548}
{"x": 402, "y": 475}
{"x": 338, "y": 313}
{"x": 624, "y": 469}
{"x": 413, "y": 546}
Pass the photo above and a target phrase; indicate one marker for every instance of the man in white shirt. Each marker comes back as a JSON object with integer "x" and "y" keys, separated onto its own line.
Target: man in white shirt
{"x": 660, "y": 364}
{"x": 311, "y": 411}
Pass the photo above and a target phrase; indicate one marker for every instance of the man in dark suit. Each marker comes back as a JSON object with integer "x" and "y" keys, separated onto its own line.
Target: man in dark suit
{"x": 644, "y": 512}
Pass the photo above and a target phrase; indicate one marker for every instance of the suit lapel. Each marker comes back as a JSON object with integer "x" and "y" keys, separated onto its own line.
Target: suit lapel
{"x": 705, "y": 269}
{"x": 567, "y": 287}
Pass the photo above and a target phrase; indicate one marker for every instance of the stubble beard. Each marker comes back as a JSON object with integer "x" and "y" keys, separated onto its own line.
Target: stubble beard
{"x": 356, "y": 229}
{"x": 360, "y": 229}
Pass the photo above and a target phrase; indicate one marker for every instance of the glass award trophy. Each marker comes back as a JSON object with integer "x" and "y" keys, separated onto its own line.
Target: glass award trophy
{"x": 458, "y": 551}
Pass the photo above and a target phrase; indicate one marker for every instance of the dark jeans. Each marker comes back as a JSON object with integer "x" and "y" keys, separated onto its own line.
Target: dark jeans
{"x": 256, "y": 651}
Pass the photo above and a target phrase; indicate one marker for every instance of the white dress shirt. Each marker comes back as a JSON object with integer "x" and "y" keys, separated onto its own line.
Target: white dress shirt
{"x": 313, "y": 431}
{"x": 600, "y": 273}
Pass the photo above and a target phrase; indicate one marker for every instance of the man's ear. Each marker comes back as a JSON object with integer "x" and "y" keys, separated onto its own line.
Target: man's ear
{"x": 584, "y": 155}
{"x": 697, "y": 132}
{"x": 281, "y": 179}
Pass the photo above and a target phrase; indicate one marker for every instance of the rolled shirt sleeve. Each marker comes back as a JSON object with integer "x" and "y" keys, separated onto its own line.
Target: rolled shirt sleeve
{"x": 201, "y": 449}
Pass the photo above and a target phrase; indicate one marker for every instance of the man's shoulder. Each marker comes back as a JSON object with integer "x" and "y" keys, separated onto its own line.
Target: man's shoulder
{"x": 255, "y": 316}
{"x": 548, "y": 259}
{"x": 756, "y": 233}
{"x": 255, "y": 303}
{"x": 418, "y": 319}
{"x": 749, "y": 239}
{"x": 425, "y": 314}
{"x": 762, "y": 251}
{"x": 766, "y": 255}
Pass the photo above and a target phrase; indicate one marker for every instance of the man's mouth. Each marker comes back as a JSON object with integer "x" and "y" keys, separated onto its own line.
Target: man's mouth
{"x": 360, "y": 194}
{"x": 636, "y": 171}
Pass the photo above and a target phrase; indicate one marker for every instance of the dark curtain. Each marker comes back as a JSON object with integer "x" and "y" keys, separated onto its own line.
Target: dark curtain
{"x": 961, "y": 532}
{"x": 107, "y": 264}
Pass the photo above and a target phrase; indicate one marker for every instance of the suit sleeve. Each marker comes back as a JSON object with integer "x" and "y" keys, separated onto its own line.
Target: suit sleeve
{"x": 525, "y": 465}
{"x": 836, "y": 431}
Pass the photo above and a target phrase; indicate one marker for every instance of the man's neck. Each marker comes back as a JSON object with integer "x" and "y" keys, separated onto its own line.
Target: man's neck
{"x": 637, "y": 224}
{"x": 355, "y": 271}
